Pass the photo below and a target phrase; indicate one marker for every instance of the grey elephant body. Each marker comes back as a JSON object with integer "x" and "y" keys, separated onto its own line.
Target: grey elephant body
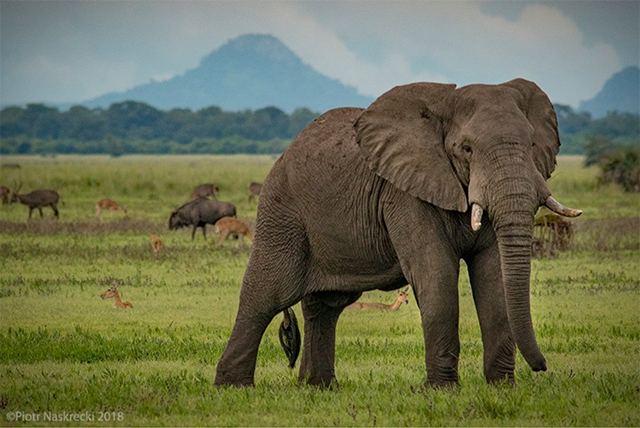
{"x": 332, "y": 223}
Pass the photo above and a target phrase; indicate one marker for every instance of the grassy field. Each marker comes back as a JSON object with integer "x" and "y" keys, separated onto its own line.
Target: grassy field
{"x": 65, "y": 353}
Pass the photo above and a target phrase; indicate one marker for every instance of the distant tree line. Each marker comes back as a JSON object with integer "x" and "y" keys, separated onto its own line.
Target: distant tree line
{"x": 133, "y": 127}
{"x": 578, "y": 130}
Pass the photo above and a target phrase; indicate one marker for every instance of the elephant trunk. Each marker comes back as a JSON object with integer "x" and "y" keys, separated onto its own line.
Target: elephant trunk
{"x": 511, "y": 198}
{"x": 514, "y": 244}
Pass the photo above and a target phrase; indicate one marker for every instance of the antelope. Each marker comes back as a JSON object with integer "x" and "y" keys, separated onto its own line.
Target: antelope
{"x": 156, "y": 244}
{"x": 112, "y": 292}
{"x": 403, "y": 297}
{"x": 231, "y": 225}
{"x": 108, "y": 204}
{"x": 205, "y": 190}
{"x": 4, "y": 194}
{"x": 37, "y": 199}
{"x": 254, "y": 190}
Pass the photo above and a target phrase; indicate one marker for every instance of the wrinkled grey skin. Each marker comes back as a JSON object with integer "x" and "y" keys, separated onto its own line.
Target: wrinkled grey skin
{"x": 380, "y": 198}
{"x": 199, "y": 213}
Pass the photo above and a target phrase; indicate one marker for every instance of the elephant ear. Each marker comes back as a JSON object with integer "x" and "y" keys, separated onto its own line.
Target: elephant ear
{"x": 542, "y": 116}
{"x": 402, "y": 140}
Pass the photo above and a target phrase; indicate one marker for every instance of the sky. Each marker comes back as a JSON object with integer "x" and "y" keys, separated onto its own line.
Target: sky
{"x": 58, "y": 51}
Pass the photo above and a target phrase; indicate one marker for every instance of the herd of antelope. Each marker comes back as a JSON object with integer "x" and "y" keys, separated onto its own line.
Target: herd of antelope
{"x": 225, "y": 227}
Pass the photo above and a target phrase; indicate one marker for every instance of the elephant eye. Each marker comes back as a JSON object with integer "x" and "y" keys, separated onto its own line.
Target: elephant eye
{"x": 467, "y": 149}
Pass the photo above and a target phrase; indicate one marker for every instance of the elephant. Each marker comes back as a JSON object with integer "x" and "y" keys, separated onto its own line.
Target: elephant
{"x": 395, "y": 194}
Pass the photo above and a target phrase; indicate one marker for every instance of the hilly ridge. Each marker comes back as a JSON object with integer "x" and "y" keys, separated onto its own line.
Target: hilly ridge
{"x": 250, "y": 72}
{"x": 621, "y": 92}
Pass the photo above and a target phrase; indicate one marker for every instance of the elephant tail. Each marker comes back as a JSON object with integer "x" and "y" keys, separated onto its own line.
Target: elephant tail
{"x": 289, "y": 335}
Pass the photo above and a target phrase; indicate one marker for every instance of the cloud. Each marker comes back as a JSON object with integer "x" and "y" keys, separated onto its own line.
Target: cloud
{"x": 456, "y": 42}
{"x": 84, "y": 49}
{"x": 319, "y": 46}
{"x": 43, "y": 78}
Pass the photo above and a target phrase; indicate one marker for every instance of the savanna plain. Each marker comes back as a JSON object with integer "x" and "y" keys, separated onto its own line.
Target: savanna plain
{"x": 64, "y": 351}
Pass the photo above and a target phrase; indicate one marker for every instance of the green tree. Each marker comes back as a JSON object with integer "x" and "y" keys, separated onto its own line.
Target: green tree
{"x": 622, "y": 167}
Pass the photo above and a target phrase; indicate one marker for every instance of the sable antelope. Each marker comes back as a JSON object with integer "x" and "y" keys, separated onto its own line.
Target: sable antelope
{"x": 403, "y": 297}
{"x": 199, "y": 213}
{"x": 109, "y": 204}
{"x": 112, "y": 292}
{"x": 231, "y": 225}
{"x": 4, "y": 194}
{"x": 254, "y": 190}
{"x": 156, "y": 243}
{"x": 205, "y": 190}
{"x": 37, "y": 199}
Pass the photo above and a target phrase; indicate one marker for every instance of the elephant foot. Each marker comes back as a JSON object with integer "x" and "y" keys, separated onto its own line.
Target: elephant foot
{"x": 446, "y": 377}
{"x": 501, "y": 379}
{"x": 227, "y": 379}
{"x": 443, "y": 384}
{"x": 328, "y": 382}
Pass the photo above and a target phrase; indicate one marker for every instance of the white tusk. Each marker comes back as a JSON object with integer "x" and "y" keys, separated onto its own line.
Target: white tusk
{"x": 476, "y": 217}
{"x": 558, "y": 208}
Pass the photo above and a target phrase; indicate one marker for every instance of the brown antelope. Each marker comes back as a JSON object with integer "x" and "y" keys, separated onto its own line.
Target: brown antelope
{"x": 4, "y": 194}
{"x": 204, "y": 191}
{"x": 112, "y": 292}
{"x": 156, "y": 243}
{"x": 254, "y": 190}
{"x": 109, "y": 204}
{"x": 231, "y": 225}
{"x": 37, "y": 199}
{"x": 403, "y": 297}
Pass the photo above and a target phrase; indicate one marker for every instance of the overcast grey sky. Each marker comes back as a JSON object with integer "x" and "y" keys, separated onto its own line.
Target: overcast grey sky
{"x": 68, "y": 51}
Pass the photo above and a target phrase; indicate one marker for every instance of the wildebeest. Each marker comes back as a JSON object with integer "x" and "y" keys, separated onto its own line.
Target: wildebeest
{"x": 199, "y": 213}
{"x": 37, "y": 199}
{"x": 254, "y": 190}
{"x": 205, "y": 190}
{"x": 4, "y": 194}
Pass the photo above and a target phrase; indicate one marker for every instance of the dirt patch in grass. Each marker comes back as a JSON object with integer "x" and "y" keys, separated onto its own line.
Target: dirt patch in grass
{"x": 54, "y": 227}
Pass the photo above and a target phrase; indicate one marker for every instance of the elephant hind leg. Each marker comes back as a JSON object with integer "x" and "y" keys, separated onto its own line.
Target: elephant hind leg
{"x": 275, "y": 280}
{"x": 321, "y": 312}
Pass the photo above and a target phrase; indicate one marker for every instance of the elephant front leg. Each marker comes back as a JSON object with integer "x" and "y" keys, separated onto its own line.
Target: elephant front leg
{"x": 431, "y": 265}
{"x": 437, "y": 299}
{"x": 321, "y": 312}
{"x": 485, "y": 276}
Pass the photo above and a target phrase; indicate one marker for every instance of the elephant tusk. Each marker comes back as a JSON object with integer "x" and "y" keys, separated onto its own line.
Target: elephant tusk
{"x": 476, "y": 217}
{"x": 558, "y": 208}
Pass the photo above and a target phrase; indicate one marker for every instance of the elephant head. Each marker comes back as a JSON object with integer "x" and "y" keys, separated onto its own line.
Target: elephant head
{"x": 488, "y": 147}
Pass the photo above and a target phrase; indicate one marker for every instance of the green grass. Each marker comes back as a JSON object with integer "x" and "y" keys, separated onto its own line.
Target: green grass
{"x": 63, "y": 349}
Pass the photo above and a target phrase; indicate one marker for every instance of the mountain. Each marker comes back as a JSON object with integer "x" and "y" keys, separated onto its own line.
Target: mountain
{"x": 249, "y": 72}
{"x": 621, "y": 92}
